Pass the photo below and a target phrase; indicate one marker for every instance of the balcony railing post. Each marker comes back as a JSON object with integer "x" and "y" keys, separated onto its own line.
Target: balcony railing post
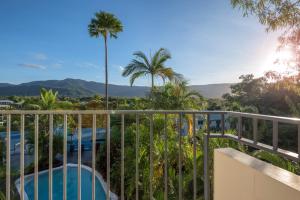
{"x": 151, "y": 157}
{"x": 165, "y": 158}
{"x": 65, "y": 157}
{"x": 299, "y": 143}
{"x": 255, "y": 136}
{"x": 240, "y": 128}
{"x": 50, "y": 155}
{"x": 208, "y": 124}
{"x": 137, "y": 158}
{"x": 79, "y": 158}
{"x": 108, "y": 156}
{"x": 36, "y": 157}
{"x": 180, "y": 156}
{"x": 122, "y": 156}
{"x": 206, "y": 168}
{"x": 94, "y": 156}
{"x": 275, "y": 135}
{"x": 194, "y": 159}
{"x": 22, "y": 145}
{"x": 8, "y": 132}
{"x": 223, "y": 124}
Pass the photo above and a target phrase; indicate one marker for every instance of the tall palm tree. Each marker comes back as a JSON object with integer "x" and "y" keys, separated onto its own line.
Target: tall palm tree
{"x": 155, "y": 67}
{"x": 105, "y": 24}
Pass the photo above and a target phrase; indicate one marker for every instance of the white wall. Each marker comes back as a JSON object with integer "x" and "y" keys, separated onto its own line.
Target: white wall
{"x": 238, "y": 176}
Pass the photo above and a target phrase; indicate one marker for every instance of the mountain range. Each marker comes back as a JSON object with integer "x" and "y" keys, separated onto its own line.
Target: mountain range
{"x": 81, "y": 88}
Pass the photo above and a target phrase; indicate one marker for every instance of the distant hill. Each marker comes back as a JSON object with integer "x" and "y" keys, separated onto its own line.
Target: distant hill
{"x": 5, "y": 84}
{"x": 81, "y": 88}
{"x": 212, "y": 90}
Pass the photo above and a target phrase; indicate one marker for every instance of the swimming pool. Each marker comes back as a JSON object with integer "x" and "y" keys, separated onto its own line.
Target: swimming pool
{"x": 86, "y": 184}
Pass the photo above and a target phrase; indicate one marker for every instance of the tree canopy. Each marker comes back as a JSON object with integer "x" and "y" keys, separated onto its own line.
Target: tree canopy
{"x": 155, "y": 67}
{"x": 274, "y": 14}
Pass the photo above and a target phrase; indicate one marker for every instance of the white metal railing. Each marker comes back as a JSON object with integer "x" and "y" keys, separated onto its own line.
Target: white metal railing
{"x": 295, "y": 156}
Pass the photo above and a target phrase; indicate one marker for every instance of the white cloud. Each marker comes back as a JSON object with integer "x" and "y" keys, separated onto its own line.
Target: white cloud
{"x": 57, "y": 65}
{"x": 32, "y": 66}
{"x": 121, "y": 68}
{"x": 39, "y": 56}
{"x": 89, "y": 65}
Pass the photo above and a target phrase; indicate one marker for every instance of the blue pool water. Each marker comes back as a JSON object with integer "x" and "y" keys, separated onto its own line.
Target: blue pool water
{"x": 86, "y": 185}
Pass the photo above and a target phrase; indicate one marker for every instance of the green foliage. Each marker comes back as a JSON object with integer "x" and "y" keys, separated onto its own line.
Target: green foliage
{"x": 1, "y": 151}
{"x": 274, "y": 14}
{"x": 141, "y": 66}
{"x": 48, "y": 99}
{"x": 2, "y": 196}
{"x": 260, "y": 95}
{"x": 176, "y": 97}
{"x": 158, "y": 159}
{"x": 277, "y": 161}
{"x": 105, "y": 24}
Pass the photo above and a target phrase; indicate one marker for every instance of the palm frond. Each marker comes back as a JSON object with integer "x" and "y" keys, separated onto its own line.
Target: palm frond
{"x": 156, "y": 57}
{"x": 155, "y": 66}
{"x": 193, "y": 94}
{"x": 163, "y": 57}
{"x": 137, "y": 75}
{"x": 134, "y": 66}
{"x": 141, "y": 55}
{"x": 105, "y": 23}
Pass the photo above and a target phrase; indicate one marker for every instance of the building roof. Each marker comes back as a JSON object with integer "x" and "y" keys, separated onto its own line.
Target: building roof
{"x": 6, "y": 101}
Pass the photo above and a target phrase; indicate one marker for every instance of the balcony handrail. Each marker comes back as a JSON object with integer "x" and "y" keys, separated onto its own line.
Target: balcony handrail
{"x": 295, "y": 156}
{"x": 83, "y": 112}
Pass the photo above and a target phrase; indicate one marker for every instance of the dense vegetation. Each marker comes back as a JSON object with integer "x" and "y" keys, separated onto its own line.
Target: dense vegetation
{"x": 250, "y": 95}
{"x": 274, "y": 94}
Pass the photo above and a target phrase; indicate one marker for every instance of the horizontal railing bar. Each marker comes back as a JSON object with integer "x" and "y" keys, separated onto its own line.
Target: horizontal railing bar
{"x": 99, "y": 112}
{"x": 265, "y": 117}
{"x": 284, "y": 153}
{"x": 231, "y": 113}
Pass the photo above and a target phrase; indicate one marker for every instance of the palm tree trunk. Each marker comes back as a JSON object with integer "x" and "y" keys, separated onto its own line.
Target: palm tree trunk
{"x": 106, "y": 73}
{"x": 152, "y": 81}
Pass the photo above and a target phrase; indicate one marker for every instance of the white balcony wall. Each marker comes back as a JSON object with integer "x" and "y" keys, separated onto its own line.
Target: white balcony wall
{"x": 238, "y": 176}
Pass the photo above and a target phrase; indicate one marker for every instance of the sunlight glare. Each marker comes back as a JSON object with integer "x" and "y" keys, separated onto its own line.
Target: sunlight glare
{"x": 281, "y": 61}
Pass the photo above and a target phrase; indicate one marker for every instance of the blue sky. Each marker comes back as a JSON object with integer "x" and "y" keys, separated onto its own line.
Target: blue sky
{"x": 209, "y": 41}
